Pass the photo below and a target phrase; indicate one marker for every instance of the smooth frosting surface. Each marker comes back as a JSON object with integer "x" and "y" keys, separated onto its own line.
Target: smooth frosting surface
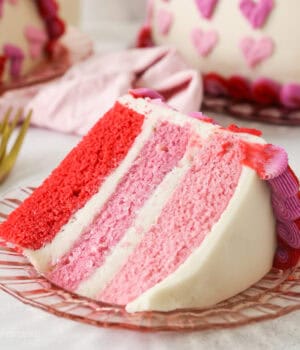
{"x": 254, "y": 39}
{"x": 237, "y": 253}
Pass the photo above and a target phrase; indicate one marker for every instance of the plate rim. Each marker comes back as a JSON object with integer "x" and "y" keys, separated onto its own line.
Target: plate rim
{"x": 130, "y": 321}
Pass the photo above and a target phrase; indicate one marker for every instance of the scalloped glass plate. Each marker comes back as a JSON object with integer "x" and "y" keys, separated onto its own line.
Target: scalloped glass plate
{"x": 252, "y": 112}
{"x": 277, "y": 294}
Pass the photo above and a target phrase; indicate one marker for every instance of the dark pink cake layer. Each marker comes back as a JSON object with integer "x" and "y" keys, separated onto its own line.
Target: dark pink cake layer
{"x": 78, "y": 177}
{"x": 188, "y": 217}
{"x": 158, "y": 157}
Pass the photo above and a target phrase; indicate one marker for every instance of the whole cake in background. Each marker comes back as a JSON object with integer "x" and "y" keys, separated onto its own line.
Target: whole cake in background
{"x": 156, "y": 210}
{"x": 29, "y": 32}
{"x": 247, "y": 50}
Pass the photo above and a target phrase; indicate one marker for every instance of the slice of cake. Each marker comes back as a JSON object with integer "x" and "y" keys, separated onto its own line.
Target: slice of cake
{"x": 246, "y": 49}
{"x": 29, "y": 31}
{"x": 155, "y": 210}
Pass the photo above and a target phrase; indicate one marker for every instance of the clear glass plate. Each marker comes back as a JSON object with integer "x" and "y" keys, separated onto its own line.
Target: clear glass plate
{"x": 277, "y": 294}
{"x": 252, "y": 112}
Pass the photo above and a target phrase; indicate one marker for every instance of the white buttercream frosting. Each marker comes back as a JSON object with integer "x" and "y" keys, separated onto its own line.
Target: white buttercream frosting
{"x": 237, "y": 253}
{"x": 231, "y": 26}
{"x": 147, "y": 217}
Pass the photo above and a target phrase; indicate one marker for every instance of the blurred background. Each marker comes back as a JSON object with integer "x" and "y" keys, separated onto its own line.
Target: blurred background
{"x": 110, "y": 23}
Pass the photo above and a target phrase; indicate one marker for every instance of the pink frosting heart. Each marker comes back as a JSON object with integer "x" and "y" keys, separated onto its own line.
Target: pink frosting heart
{"x": 256, "y": 12}
{"x": 206, "y": 7}
{"x": 204, "y": 42}
{"x": 16, "y": 57}
{"x": 256, "y": 51}
{"x": 36, "y": 38}
{"x": 164, "y": 21}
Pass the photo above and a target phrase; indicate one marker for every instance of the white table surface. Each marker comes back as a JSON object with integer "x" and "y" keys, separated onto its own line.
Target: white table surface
{"x": 23, "y": 327}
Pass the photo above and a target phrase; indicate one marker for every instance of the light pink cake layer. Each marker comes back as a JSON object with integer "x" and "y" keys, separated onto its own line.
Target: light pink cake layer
{"x": 187, "y": 218}
{"x": 159, "y": 155}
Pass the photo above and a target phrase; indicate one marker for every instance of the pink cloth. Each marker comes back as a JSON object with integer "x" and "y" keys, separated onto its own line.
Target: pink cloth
{"x": 74, "y": 102}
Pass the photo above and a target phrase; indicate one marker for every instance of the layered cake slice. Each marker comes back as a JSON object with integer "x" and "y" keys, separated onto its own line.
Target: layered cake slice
{"x": 155, "y": 210}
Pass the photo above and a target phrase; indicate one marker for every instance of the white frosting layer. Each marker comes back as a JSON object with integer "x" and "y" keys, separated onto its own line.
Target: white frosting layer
{"x": 159, "y": 111}
{"x": 147, "y": 217}
{"x": 227, "y": 59}
{"x": 237, "y": 253}
{"x": 50, "y": 254}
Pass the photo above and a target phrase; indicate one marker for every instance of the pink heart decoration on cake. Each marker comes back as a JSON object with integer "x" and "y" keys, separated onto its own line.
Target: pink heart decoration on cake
{"x": 37, "y": 39}
{"x": 204, "y": 42}
{"x": 206, "y": 7}
{"x": 16, "y": 56}
{"x": 164, "y": 21}
{"x": 256, "y": 51}
{"x": 256, "y": 12}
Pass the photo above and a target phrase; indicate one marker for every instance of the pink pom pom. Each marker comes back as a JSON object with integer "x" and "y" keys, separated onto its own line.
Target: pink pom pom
{"x": 215, "y": 85}
{"x": 286, "y": 257}
{"x": 277, "y": 163}
{"x": 290, "y": 95}
{"x": 266, "y": 91}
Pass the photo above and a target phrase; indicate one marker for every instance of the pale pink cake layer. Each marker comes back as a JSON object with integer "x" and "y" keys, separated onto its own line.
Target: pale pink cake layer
{"x": 159, "y": 156}
{"x": 187, "y": 218}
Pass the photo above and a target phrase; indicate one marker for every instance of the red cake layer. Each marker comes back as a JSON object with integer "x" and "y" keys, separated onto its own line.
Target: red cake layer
{"x": 78, "y": 177}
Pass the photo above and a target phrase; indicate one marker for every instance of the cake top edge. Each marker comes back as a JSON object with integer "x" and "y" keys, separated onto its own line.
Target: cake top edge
{"x": 152, "y": 104}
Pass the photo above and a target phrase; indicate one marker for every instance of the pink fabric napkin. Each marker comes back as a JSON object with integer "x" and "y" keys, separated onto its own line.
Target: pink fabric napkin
{"x": 74, "y": 102}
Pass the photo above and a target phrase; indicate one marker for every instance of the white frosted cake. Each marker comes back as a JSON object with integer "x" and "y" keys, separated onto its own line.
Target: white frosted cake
{"x": 247, "y": 50}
